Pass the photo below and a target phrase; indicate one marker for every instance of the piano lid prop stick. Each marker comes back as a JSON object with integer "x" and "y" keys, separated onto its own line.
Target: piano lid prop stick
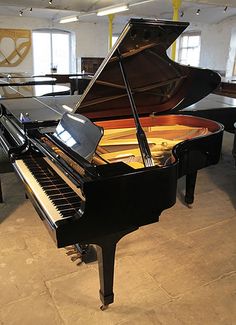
{"x": 142, "y": 140}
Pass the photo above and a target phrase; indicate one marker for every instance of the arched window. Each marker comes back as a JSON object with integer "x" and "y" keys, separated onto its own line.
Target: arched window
{"x": 52, "y": 51}
{"x": 189, "y": 48}
{"x": 114, "y": 38}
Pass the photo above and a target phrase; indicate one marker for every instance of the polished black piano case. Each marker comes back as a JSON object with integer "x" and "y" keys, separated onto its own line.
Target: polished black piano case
{"x": 59, "y": 153}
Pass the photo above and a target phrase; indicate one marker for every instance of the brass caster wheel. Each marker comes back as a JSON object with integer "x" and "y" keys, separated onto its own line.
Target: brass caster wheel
{"x": 104, "y": 307}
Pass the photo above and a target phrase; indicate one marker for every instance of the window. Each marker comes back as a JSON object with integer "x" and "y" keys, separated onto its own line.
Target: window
{"x": 189, "y": 49}
{"x": 114, "y": 38}
{"x": 51, "y": 50}
{"x": 234, "y": 68}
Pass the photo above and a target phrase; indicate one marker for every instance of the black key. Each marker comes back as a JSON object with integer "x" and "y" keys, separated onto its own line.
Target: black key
{"x": 65, "y": 200}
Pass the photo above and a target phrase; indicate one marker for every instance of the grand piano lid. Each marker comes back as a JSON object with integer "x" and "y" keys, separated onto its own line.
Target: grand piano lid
{"x": 158, "y": 84}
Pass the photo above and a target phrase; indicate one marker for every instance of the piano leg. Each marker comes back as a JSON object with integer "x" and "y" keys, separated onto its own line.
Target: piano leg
{"x": 190, "y": 187}
{"x": 1, "y": 198}
{"x": 106, "y": 248}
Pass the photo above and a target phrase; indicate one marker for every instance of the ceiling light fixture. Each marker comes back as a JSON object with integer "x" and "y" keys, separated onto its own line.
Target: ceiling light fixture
{"x": 69, "y": 19}
{"x": 112, "y": 10}
{"x": 50, "y": 2}
{"x": 21, "y": 12}
{"x": 225, "y": 9}
{"x": 140, "y": 3}
{"x": 198, "y": 12}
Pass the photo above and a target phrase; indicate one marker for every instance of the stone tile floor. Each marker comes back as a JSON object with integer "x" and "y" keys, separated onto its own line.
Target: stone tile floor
{"x": 181, "y": 270}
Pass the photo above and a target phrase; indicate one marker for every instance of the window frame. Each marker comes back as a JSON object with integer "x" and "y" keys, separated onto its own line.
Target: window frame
{"x": 181, "y": 47}
{"x": 115, "y": 38}
{"x": 52, "y": 31}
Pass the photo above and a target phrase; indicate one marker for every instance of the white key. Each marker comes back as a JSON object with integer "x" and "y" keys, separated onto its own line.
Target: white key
{"x": 44, "y": 201}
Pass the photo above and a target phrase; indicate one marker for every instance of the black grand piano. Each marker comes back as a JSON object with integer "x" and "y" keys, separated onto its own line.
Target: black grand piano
{"x": 109, "y": 166}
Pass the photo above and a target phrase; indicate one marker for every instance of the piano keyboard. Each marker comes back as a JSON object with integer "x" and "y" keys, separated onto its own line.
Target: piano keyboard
{"x": 55, "y": 196}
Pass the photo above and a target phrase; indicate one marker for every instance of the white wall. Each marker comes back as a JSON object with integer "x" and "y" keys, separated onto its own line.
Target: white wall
{"x": 91, "y": 38}
{"x": 22, "y": 23}
{"x": 232, "y": 54}
{"x": 217, "y": 40}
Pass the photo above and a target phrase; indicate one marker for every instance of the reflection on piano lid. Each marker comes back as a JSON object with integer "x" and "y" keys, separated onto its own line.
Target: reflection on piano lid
{"x": 33, "y": 91}
{"x": 117, "y": 192}
{"x": 26, "y": 81}
{"x": 15, "y": 75}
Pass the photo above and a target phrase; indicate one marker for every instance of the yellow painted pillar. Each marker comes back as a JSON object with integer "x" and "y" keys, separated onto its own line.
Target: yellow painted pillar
{"x": 176, "y": 6}
{"x": 110, "y": 19}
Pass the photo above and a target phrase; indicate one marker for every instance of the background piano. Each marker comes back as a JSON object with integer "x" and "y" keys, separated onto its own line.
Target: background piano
{"x": 227, "y": 88}
{"x": 82, "y": 194}
{"x": 215, "y": 107}
{"x": 219, "y": 106}
{"x": 15, "y": 87}
{"x": 77, "y": 81}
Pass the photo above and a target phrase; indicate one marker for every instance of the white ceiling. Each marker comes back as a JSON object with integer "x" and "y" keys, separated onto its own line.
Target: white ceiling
{"x": 211, "y": 11}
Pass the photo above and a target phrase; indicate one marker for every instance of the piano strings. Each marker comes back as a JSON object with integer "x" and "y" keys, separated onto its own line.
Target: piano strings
{"x": 122, "y": 145}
